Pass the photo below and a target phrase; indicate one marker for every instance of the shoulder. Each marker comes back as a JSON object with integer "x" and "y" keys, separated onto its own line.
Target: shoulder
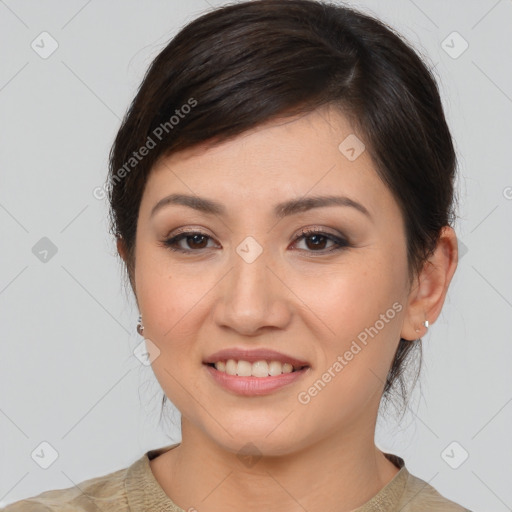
{"x": 105, "y": 492}
{"x": 419, "y": 496}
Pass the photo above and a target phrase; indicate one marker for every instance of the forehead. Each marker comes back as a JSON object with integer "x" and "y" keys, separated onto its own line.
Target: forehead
{"x": 310, "y": 153}
{"x": 274, "y": 142}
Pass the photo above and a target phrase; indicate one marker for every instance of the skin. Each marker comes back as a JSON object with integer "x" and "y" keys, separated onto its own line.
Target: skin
{"x": 295, "y": 298}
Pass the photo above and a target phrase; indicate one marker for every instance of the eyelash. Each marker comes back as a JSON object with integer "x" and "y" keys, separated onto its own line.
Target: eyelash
{"x": 340, "y": 243}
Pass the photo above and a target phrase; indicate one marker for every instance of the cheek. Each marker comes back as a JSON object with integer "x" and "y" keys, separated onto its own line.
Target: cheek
{"x": 172, "y": 309}
{"x": 355, "y": 360}
{"x": 168, "y": 295}
{"x": 361, "y": 308}
{"x": 167, "y": 301}
{"x": 353, "y": 296}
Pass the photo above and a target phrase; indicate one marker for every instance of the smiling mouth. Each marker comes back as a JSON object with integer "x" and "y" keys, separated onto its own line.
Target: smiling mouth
{"x": 260, "y": 369}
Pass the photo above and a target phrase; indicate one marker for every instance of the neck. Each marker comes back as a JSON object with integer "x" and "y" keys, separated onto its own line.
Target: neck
{"x": 337, "y": 473}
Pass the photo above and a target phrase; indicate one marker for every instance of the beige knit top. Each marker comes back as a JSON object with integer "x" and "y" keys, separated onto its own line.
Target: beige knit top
{"x": 135, "y": 489}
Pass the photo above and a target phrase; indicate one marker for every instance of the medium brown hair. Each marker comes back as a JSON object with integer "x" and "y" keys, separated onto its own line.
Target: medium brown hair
{"x": 244, "y": 64}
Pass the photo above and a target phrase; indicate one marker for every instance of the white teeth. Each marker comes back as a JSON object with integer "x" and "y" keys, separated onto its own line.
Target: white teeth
{"x": 275, "y": 367}
{"x": 258, "y": 369}
{"x": 244, "y": 369}
{"x": 231, "y": 367}
{"x": 287, "y": 368}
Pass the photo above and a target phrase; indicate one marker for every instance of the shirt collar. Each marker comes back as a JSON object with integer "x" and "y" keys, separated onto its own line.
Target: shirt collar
{"x": 145, "y": 493}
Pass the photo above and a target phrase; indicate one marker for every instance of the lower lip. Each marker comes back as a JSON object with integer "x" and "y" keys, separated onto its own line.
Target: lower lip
{"x": 254, "y": 386}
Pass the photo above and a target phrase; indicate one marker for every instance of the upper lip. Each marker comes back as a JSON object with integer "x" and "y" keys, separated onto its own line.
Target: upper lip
{"x": 260, "y": 354}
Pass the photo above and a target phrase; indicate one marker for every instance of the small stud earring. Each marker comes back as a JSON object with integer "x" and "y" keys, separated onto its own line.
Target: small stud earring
{"x": 140, "y": 327}
{"x": 425, "y": 323}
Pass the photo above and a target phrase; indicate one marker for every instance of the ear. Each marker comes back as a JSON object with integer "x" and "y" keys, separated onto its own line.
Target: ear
{"x": 123, "y": 252}
{"x": 427, "y": 296}
{"x": 121, "y": 249}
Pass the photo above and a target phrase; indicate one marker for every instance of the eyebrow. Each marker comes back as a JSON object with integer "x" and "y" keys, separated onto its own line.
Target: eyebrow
{"x": 281, "y": 210}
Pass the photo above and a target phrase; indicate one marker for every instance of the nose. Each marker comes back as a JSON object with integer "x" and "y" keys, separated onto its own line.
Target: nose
{"x": 253, "y": 298}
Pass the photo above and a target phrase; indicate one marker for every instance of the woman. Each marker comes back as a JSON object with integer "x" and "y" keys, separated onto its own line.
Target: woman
{"x": 281, "y": 193}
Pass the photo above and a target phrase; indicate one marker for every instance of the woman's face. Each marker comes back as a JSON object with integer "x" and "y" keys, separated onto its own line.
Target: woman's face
{"x": 249, "y": 279}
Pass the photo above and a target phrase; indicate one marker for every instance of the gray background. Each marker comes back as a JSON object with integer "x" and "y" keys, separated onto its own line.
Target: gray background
{"x": 68, "y": 375}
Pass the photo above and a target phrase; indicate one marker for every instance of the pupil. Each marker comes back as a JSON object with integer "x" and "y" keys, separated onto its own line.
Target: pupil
{"x": 196, "y": 239}
{"x": 317, "y": 242}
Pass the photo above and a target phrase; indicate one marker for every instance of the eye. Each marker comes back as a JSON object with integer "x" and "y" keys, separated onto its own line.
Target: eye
{"x": 316, "y": 240}
{"x": 195, "y": 241}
